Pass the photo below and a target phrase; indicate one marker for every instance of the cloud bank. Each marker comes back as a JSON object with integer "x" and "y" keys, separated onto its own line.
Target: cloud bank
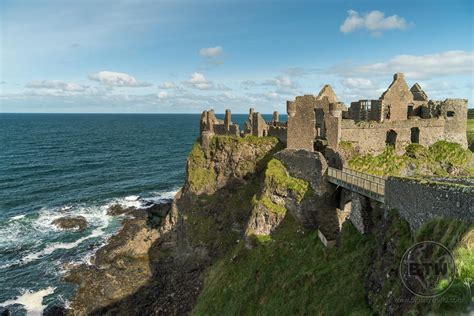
{"x": 447, "y": 63}
{"x": 211, "y": 51}
{"x": 374, "y": 21}
{"x": 117, "y": 79}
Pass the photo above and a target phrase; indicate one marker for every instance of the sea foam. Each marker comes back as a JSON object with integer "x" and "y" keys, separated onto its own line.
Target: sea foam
{"x": 31, "y": 301}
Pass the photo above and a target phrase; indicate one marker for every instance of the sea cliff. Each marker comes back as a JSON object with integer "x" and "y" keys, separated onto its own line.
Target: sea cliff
{"x": 241, "y": 237}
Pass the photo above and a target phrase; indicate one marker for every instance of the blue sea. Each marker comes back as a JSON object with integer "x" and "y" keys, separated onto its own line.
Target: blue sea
{"x": 55, "y": 165}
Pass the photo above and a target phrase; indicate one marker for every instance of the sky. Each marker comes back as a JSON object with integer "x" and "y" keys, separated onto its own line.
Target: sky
{"x": 107, "y": 56}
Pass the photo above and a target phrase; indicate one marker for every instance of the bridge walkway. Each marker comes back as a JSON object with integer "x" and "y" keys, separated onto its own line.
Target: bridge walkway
{"x": 363, "y": 183}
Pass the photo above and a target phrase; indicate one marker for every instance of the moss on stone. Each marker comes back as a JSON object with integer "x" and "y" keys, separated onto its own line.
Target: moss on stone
{"x": 277, "y": 175}
{"x": 345, "y": 145}
{"x": 271, "y": 206}
{"x": 434, "y": 160}
{"x": 200, "y": 176}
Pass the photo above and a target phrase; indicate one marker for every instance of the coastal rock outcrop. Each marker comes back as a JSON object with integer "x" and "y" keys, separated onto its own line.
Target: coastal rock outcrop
{"x": 76, "y": 223}
{"x": 122, "y": 266}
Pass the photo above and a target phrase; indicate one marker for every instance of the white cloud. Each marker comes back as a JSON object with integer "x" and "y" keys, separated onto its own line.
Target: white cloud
{"x": 57, "y": 85}
{"x": 211, "y": 51}
{"x": 374, "y": 21}
{"x": 358, "y": 83}
{"x": 359, "y": 88}
{"x": 117, "y": 79}
{"x": 168, "y": 85}
{"x": 281, "y": 82}
{"x": 200, "y": 82}
{"x": 163, "y": 95}
{"x": 415, "y": 67}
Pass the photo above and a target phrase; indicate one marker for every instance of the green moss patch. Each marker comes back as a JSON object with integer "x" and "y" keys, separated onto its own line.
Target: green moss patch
{"x": 201, "y": 177}
{"x": 434, "y": 160}
{"x": 277, "y": 175}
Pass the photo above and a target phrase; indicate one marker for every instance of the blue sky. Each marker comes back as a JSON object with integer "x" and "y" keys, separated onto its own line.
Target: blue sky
{"x": 186, "y": 56}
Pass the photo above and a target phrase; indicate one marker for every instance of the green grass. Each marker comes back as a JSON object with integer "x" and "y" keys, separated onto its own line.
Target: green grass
{"x": 290, "y": 273}
{"x": 434, "y": 160}
{"x": 457, "y": 236}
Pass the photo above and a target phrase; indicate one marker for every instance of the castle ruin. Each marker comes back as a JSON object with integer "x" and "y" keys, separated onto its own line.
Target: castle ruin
{"x": 401, "y": 116}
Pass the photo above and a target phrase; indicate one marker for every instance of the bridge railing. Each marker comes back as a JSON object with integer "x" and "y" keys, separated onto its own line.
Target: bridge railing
{"x": 360, "y": 182}
{"x": 364, "y": 175}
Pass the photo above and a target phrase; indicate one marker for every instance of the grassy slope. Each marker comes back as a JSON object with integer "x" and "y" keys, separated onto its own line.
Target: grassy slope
{"x": 291, "y": 273}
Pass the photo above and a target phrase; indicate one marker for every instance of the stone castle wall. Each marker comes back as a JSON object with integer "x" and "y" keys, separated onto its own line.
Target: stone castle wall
{"x": 419, "y": 204}
{"x": 301, "y": 123}
{"x": 371, "y": 136}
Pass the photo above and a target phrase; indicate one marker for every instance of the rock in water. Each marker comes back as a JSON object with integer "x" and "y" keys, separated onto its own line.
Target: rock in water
{"x": 55, "y": 311}
{"x": 118, "y": 209}
{"x": 77, "y": 223}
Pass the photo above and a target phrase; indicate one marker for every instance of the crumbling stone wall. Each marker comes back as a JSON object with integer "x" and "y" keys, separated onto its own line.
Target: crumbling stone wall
{"x": 397, "y": 97}
{"x": 419, "y": 201}
{"x": 454, "y": 112}
{"x": 319, "y": 209}
{"x": 301, "y": 123}
{"x": 279, "y": 132}
{"x": 259, "y": 126}
{"x": 372, "y": 136}
{"x": 358, "y": 209}
{"x": 211, "y": 125}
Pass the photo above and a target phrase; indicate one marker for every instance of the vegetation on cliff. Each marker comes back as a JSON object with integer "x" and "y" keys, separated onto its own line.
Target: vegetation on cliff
{"x": 215, "y": 218}
{"x": 291, "y": 273}
{"x": 232, "y": 156}
{"x": 278, "y": 181}
{"x": 394, "y": 238}
{"x": 200, "y": 175}
{"x": 277, "y": 176}
{"x": 441, "y": 159}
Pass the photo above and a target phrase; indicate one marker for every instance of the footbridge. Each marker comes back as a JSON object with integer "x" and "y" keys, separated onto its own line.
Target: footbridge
{"x": 359, "y": 182}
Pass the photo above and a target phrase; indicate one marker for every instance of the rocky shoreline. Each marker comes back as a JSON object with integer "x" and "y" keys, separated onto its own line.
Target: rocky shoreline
{"x": 120, "y": 267}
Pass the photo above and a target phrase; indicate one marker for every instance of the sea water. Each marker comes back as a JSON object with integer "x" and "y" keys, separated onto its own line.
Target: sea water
{"x": 55, "y": 165}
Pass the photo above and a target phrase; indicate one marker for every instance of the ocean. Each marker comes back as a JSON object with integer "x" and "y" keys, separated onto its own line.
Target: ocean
{"x": 53, "y": 165}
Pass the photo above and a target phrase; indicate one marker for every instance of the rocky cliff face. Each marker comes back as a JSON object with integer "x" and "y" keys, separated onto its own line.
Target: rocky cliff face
{"x": 158, "y": 268}
{"x": 240, "y": 237}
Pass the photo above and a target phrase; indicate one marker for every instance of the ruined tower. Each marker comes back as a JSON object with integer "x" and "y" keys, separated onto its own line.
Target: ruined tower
{"x": 396, "y": 99}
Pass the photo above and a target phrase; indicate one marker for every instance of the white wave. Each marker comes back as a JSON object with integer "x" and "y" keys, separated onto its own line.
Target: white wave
{"x": 56, "y": 246}
{"x": 32, "y": 301}
{"x": 132, "y": 198}
{"x": 18, "y": 217}
{"x": 33, "y": 232}
{"x": 65, "y": 208}
{"x": 160, "y": 196}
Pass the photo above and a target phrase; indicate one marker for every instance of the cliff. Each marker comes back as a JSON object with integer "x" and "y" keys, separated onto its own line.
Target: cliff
{"x": 241, "y": 237}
